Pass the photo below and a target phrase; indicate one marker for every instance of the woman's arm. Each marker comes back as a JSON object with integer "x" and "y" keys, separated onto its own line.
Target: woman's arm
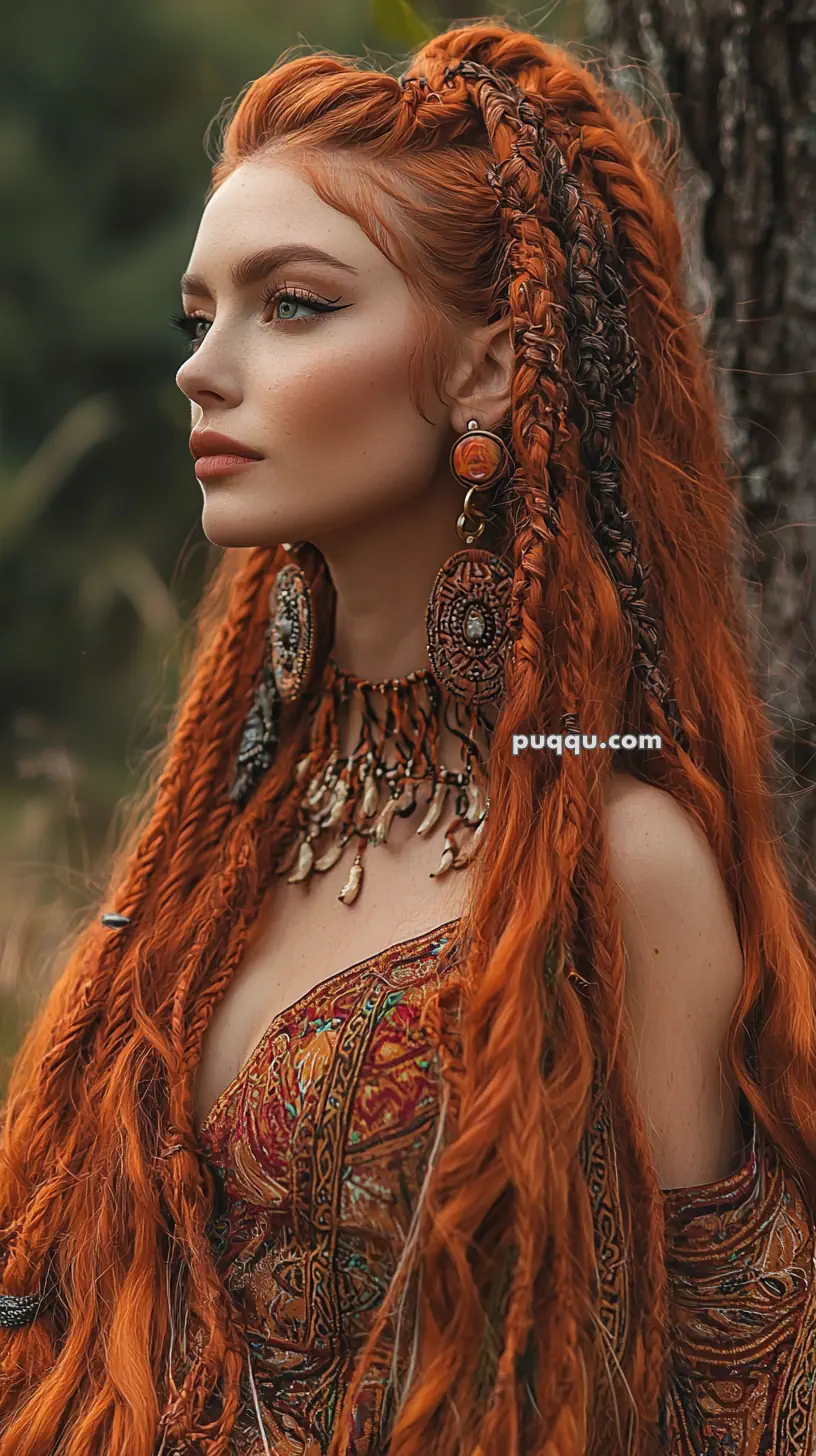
{"x": 739, "y": 1237}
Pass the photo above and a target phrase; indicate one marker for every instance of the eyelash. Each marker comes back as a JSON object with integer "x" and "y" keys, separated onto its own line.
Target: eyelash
{"x": 188, "y": 322}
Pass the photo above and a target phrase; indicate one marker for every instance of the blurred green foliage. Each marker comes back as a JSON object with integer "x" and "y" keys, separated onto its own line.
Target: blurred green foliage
{"x": 103, "y": 115}
{"x": 398, "y": 21}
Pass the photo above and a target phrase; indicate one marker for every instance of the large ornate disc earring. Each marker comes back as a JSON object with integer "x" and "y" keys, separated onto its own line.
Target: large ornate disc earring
{"x": 292, "y": 649}
{"x": 292, "y": 630}
{"x": 466, "y": 620}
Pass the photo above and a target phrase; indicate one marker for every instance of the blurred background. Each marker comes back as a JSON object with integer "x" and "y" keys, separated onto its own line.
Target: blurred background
{"x": 103, "y": 169}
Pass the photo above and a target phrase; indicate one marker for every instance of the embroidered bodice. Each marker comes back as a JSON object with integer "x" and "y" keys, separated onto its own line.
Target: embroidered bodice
{"x": 319, "y": 1147}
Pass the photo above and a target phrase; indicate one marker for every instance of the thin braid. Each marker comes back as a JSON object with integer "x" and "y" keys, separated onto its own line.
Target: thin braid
{"x": 644, "y": 225}
{"x": 62, "y": 1062}
{"x": 241, "y": 878}
{"x": 225, "y": 712}
{"x": 603, "y": 359}
{"x": 539, "y": 341}
{"x": 200, "y": 789}
{"x": 534, "y": 250}
{"x": 534, "y": 262}
{"x": 240, "y": 882}
{"x": 605, "y": 375}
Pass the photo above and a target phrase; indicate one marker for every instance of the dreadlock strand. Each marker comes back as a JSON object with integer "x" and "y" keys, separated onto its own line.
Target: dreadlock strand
{"x": 241, "y": 884}
{"x": 62, "y": 1063}
{"x": 519, "y": 1312}
{"x": 518, "y": 185}
{"x": 604, "y": 374}
{"x": 240, "y": 649}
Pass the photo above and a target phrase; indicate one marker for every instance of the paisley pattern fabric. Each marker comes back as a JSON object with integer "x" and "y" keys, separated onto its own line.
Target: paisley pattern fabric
{"x": 319, "y": 1147}
{"x": 741, "y": 1271}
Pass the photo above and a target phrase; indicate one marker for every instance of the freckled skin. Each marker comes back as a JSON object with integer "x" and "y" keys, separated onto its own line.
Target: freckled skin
{"x": 350, "y": 464}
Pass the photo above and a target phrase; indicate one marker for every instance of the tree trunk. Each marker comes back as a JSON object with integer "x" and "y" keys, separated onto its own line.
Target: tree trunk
{"x": 741, "y": 78}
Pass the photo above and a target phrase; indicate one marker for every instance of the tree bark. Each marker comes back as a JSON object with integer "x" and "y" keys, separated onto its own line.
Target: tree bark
{"x": 740, "y": 78}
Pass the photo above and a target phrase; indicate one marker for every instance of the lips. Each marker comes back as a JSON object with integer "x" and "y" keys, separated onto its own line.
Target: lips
{"x": 208, "y": 466}
{"x": 217, "y": 454}
{"x": 213, "y": 443}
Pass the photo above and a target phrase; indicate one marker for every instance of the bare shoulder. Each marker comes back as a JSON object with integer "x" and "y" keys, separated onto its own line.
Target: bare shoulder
{"x": 640, "y": 815}
{"x": 684, "y": 973}
{"x": 657, "y": 848}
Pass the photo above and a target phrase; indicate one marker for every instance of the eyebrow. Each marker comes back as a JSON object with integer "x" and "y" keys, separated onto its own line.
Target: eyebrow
{"x": 259, "y": 265}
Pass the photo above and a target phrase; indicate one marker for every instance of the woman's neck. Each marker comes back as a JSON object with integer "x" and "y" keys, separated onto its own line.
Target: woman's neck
{"x": 383, "y": 570}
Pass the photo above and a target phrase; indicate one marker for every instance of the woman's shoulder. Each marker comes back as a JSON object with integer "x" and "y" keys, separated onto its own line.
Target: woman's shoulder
{"x": 683, "y": 978}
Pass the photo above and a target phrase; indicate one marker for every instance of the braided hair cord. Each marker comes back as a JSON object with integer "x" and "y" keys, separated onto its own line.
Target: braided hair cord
{"x": 602, "y": 366}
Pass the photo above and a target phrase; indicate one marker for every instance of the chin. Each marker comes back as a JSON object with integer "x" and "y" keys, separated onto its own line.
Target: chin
{"x": 232, "y": 527}
{"x": 226, "y": 520}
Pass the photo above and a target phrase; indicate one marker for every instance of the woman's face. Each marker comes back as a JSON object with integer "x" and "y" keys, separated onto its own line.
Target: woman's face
{"x": 304, "y": 362}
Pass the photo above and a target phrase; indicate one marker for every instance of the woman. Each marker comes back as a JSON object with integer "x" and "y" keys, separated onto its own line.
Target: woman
{"x": 539, "y": 1176}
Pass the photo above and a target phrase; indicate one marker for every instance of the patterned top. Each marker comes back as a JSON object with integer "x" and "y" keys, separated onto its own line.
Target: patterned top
{"x": 319, "y": 1146}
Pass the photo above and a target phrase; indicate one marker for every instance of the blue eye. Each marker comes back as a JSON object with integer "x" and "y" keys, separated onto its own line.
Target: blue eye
{"x": 189, "y": 323}
{"x": 289, "y": 301}
{"x": 285, "y": 293}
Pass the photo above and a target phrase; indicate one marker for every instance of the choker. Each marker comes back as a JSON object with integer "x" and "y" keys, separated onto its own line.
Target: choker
{"x": 395, "y": 761}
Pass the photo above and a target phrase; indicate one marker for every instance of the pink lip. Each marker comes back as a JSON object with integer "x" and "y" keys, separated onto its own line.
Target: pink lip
{"x": 207, "y": 465}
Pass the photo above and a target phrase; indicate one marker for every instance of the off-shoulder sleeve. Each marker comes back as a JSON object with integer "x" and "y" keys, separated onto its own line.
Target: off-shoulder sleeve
{"x": 740, "y": 1256}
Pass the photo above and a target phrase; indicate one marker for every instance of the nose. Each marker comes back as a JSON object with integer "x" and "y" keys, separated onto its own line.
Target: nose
{"x": 206, "y": 378}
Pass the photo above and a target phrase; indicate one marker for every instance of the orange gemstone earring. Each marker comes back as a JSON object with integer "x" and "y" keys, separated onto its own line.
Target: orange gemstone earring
{"x": 466, "y": 621}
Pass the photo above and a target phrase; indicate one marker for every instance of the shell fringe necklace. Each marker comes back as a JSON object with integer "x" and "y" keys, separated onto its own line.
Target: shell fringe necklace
{"x": 396, "y": 756}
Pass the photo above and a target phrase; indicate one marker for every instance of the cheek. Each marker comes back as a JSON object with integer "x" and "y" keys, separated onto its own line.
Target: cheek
{"x": 347, "y": 388}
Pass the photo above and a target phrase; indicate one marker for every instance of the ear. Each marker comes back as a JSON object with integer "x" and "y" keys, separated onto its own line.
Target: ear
{"x": 481, "y": 381}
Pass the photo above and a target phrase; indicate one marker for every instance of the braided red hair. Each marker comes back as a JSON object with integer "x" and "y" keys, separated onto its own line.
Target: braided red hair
{"x": 101, "y": 1185}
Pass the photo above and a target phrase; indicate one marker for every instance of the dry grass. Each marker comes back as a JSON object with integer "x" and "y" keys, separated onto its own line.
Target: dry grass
{"x": 48, "y": 878}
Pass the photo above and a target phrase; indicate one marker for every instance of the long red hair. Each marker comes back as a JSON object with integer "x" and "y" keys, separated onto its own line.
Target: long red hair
{"x": 632, "y": 616}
